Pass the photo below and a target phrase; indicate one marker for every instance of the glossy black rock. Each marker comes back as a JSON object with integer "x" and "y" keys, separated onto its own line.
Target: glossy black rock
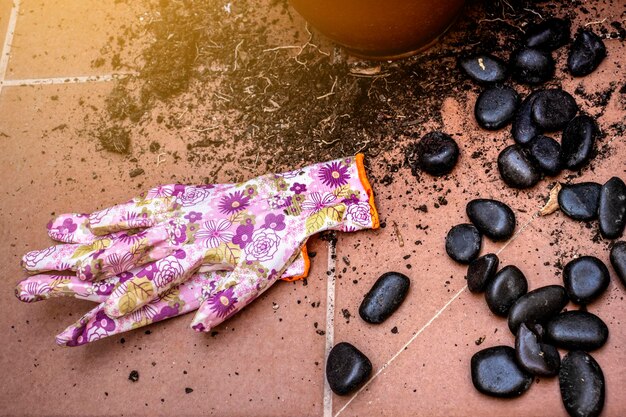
{"x": 535, "y": 357}
{"x": 585, "y": 279}
{"x": 347, "y": 368}
{"x": 484, "y": 68}
{"x": 577, "y": 330}
{"x": 531, "y": 66}
{"x": 577, "y": 142}
{"x": 437, "y": 153}
{"x": 480, "y": 271}
{"x": 385, "y": 296}
{"x": 537, "y": 306}
{"x": 612, "y": 210}
{"x": 546, "y": 153}
{"x": 492, "y": 218}
{"x": 618, "y": 260}
{"x": 517, "y": 169}
{"x": 582, "y": 385}
{"x": 549, "y": 34}
{"x": 553, "y": 109}
{"x": 463, "y": 243}
{"x": 505, "y": 289}
{"x": 586, "y": 53}
{"x": 495, "y": 372}
{"x": 524, "y": 127}
{"x": 580, "y": 201}
{"x": 495, "y": 107}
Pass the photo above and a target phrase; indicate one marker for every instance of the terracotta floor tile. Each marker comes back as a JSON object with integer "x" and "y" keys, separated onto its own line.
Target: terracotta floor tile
{"x": 64, "y": 38}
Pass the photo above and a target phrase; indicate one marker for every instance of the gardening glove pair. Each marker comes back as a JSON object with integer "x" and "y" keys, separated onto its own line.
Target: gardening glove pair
{"x": 253, "y": 230}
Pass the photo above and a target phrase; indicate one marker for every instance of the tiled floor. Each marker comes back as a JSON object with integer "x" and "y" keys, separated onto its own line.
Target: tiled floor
{"x": 268, "y": 360}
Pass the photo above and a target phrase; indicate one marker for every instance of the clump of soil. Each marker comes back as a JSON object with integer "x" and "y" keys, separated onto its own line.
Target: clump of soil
{"x": 114, "y": 138}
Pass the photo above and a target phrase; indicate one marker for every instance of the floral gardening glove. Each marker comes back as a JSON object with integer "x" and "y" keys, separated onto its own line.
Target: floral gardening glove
{"x": 255, "y": 229}
{"x": 96, "y": 325}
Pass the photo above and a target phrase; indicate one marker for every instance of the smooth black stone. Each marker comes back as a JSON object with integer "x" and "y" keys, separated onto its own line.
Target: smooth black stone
{"x": 618, "y": 260}
{"x": 484, "y": 68}
{"x": 549, "y": 35}
{"x": 585, "y": 279}
{"x": 437, "y": 153}
{"x": 495, "y": 372}
{"x": 492, "y": 218}
{"x": 480, "y": 271}
{"x": 347, "y": 368}
{"x": 384, "y": 297}
{"x": 546, "y": 153}
{"x": 524, "y": 128}
{"x": 612, "y": 210}
{"x": 516, "y": 168}
{"x": 586, "y": 53}
{"x": 577, "y": 330}
{"x": 553, "y": 109}
{"x": 537, "y": 307}
{"x": 495, "y": 107}
{"x": 535, "y": 357}
{"x": 582, "y": 385}
{"x": 577, "y": 142}
{"x": 505, "y": 289}
{"x": 580, "y": 201}
{"x": 463, "y": 243}
{"x": 531, "y": 66}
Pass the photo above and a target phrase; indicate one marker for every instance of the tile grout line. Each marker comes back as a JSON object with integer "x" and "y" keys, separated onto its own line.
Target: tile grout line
{"x": 63, "y": 80}
{"x": 8, "y": 40}
{"x": 437, "y": 314}
{"x": 330, "y": 324}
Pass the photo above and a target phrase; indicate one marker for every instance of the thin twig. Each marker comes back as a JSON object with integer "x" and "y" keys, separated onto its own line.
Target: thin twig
{"x": 236, "y": 53}
{"x": 332, "y": 90}
{"x": 597, "y": 22}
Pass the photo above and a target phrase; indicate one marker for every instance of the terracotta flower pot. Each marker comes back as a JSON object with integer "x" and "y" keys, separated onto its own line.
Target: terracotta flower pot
{"x": 379, "y": 29}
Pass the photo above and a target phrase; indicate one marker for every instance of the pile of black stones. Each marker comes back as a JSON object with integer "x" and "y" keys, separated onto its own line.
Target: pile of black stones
{"x": 536, "y": 318}
{"x": 543, "y": 111}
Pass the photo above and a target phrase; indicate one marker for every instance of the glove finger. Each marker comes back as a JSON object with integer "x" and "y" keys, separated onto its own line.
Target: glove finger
{"x": 299, "y": 269}
{"x": 131, "y": 215}
{"x": 126, "y": 252}
{"x": 96, "y": 324}
{"x": 149, "y": 282}
{"x": 66, "y": 257}
{"x": 71, "y": 228}
{"x": 43, "y": 287}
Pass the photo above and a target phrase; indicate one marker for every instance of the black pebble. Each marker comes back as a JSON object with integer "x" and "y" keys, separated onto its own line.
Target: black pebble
{"x": 188, "y": 390}
{"x": 537, "y": 306}
{"x": 495, "y": 107}
{"x": 484, "y": 68}
{"x": 437, "y": 153}
{"x": 580, "y": 201}
{"x": 577, "y": 330}
{"x": 577, "y": 142}
{"x": 384, "y": 297}
{"x": 582, "y": 385}
{"x": 505, "y": 289}
{"x": 586, "y": 53}
{"x": 535, "y": 357}
{"x": 480, "y": 271}
{"x": 463, "y": 243}
{"x": 553, "y": 109}
{"x": 612, "y": 210}
{"x": 524, "y": 127}
{"x": 492, "y": 218}
{"x": 546, "y": 153}
{"x": 495, "y": 372}
{"x": 618, "y": 260}
{"x": 134, "y": 376}
{"x": 531, "y": 66}
{"x": 585, "y": 279}
{"x": 549, "y": 35}
{"x": 347, "y": 368}
{"x": 516, "y": 169}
